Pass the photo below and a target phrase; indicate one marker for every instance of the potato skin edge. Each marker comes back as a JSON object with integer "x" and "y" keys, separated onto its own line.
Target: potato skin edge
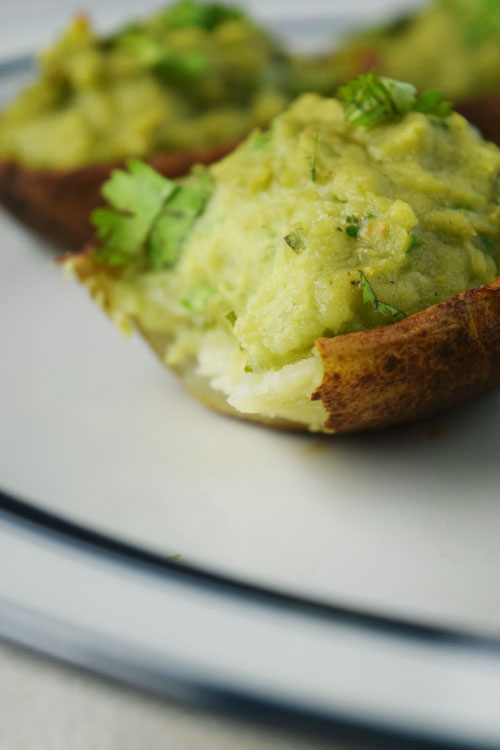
{"x": 483, "y": 112}
{"x": 57, "y": 203}
{"x": 432, "y": 360}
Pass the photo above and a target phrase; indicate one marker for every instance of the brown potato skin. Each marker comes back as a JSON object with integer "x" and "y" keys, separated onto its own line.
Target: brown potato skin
{"x": 57, "y": 203}
{"x": 484, "y": 113}
{"x": 440, "y": 357}
{"x": 435, "y": 359}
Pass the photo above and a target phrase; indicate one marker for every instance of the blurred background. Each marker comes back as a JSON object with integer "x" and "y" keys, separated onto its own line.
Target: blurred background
{"x": 28, "y": 25}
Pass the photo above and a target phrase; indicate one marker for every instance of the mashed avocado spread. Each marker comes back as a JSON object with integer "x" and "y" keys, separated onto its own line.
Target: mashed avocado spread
{"x": 346, "y": 214}
{"x": 191, "y": 76}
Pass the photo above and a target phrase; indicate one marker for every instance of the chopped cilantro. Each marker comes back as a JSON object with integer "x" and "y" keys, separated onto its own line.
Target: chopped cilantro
{"x": 414, "y": 242}
{"x": 187, "y": 65}
{"x": 295, "y": 241}
{"x": 485, "y": 241}
{"x": 196, "y": 300}
{"x": 370, "y": 298}
{"x": 353, "y": 227}
{"x": 136, "y": 198}
{"x": 231, "y": 317}
{"x": 431, "y": 102}
{"x": 205, "y": 15}
{"x": 312, "y": 159}
{"x": 352, "y": 230}
{"x": 148, "y": 215}
{"x": 371, "y": 100}
{"x": 261, "y": 138}
{"x": 177, "y": 218}
{"x": 248, "y": 368}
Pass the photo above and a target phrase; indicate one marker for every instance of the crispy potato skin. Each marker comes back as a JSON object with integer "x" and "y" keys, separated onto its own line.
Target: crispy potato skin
{"x": 437, "y": 358}
{"x": 57, "y": 203}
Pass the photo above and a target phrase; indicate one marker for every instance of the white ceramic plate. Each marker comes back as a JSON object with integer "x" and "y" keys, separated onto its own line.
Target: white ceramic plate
{"x": 93, "y": 427}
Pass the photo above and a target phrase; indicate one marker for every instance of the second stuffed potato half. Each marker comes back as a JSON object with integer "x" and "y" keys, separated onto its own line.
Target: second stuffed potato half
{"x": 336, "y": 272}
{"x": 181, "y": 86}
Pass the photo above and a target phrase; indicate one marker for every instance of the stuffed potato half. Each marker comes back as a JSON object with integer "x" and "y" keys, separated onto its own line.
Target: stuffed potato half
{"x": 335, "y": 273}
{"x": 180, "y": 87}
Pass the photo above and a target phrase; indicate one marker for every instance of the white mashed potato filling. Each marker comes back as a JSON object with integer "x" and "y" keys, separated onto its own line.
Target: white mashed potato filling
{"x": 276, "y": 394}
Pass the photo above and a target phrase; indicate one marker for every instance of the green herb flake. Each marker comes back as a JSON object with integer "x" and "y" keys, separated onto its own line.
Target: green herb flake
{"x": 352, "y": 230}
{"x": 247, "y": 368}
{"x": 261, "y": 139}
{"x": 295, "y": 241}
{"x": 135, "y": 199}
{"x": 371, "y": 100}
{"x": 231, "y": 317}
{"x": 197, "y": 299}
{"x": 414, "y": 242}
{"x": 189, "y": 65}
{"x": 312, "y": 159}
{"x": 370, "y": 298}
{"x": 204, "y": 15}
{"x": 485, "y": 241}
{"x": 177, "y": 218}
{"x": 431, "y": 103}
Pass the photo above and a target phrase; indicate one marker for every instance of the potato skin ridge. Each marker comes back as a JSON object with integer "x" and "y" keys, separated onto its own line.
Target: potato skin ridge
{"x": 57, "y": 203}
{"x": 430, "y": 361}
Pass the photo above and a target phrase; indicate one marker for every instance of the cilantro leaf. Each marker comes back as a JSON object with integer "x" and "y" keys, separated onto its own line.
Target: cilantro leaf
{"x": 180, "y": 66}
{"x": 231, "y": 317}
{"x": 135, "y": 199}
{"x": 413, "y": 243}
{"x": 261, "y": 139}
{"x": 370, "y": 298}
{"x": 148, "y": 215}
{"x": 311, "y": 160}
{"x": 176, "y": 219}
{"x": 197, "y": 299}
{"x": 431, "y": 102}
{"x": 371, "y": 100}
{"x": 295, "y": 241}
{"x": 206, "y": 16}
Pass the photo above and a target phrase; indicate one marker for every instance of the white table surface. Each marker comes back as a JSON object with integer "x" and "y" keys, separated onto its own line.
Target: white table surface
{"x": 45, "y": 706}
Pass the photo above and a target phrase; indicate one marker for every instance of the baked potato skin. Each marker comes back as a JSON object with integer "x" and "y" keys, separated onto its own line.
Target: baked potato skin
{"x": 440, "y": 357}
{"x": 484, "y": 113}
{"x": 435, "y": 359}
{"x": 57, "y": 203}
